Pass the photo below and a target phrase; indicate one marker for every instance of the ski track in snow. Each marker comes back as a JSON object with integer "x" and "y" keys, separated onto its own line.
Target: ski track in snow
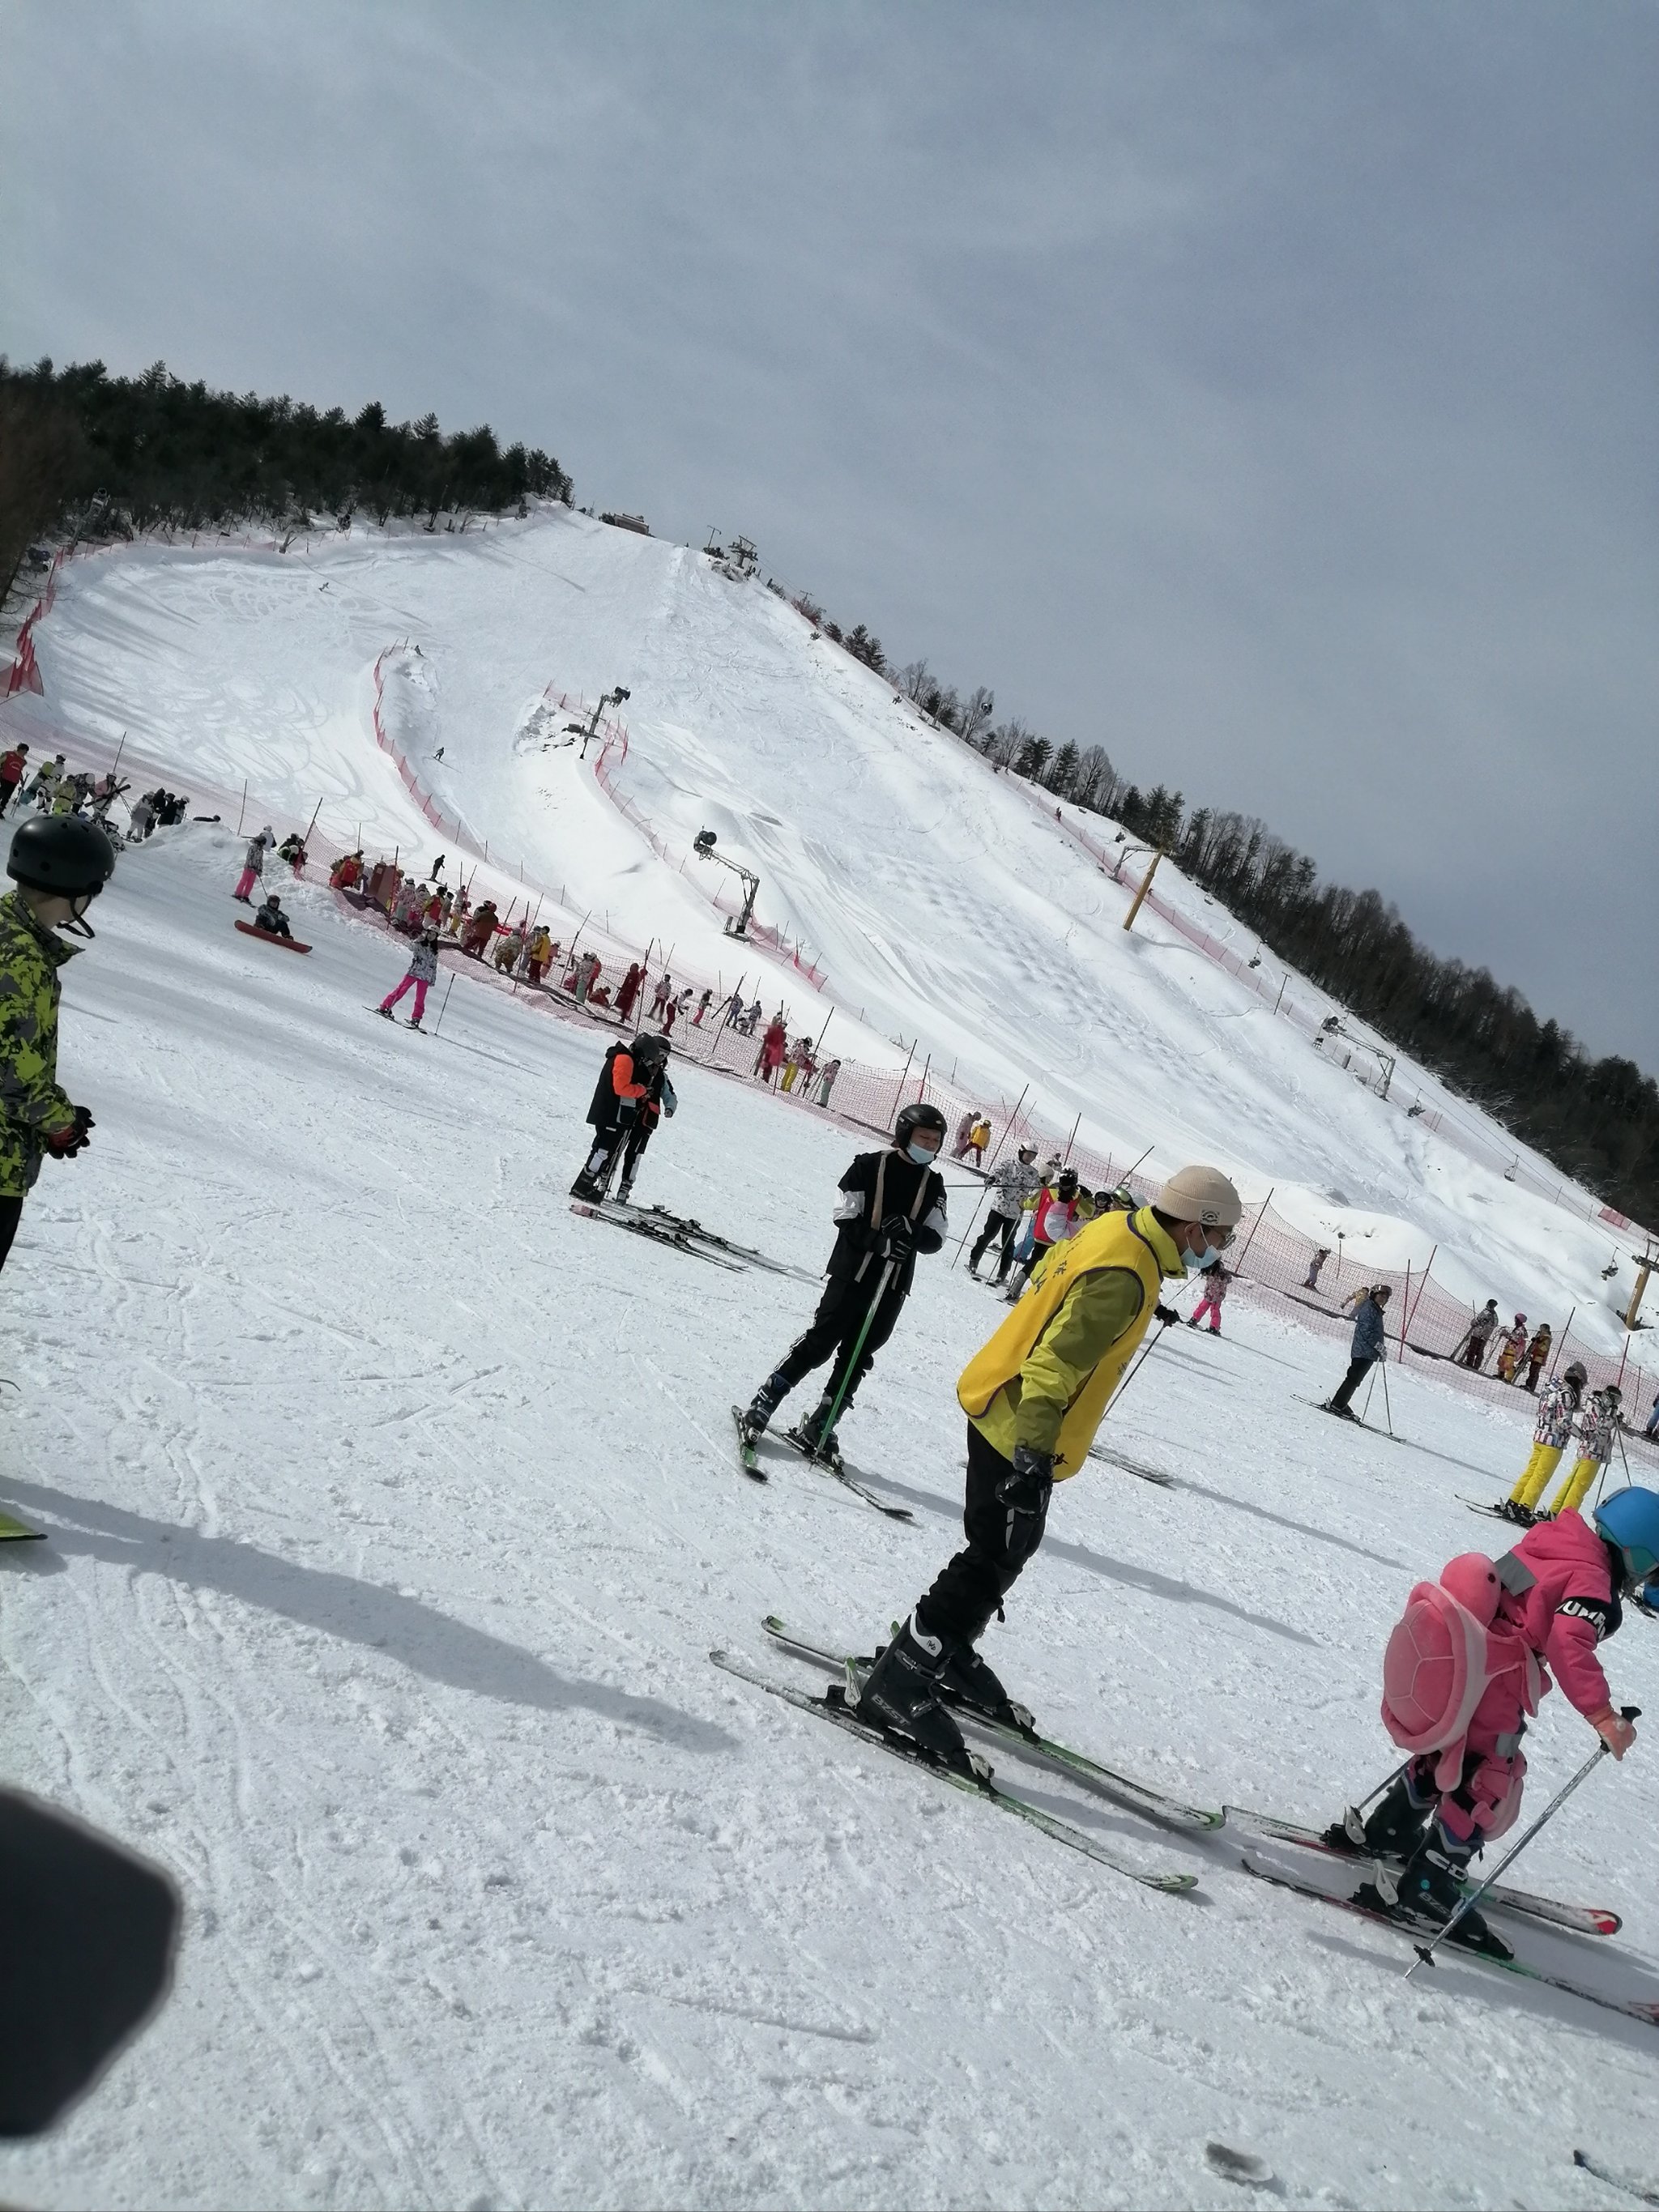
{"x": 392, "y": 1512}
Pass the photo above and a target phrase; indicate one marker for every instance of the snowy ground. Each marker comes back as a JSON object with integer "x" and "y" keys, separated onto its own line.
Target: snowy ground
{"x": 393, "y": 1513}
{"x": 946, "y": 903}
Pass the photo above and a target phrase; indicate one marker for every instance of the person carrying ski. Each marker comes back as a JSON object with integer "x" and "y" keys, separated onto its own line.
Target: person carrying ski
{"x": 1537, "y": 1352}
{"x": 1369, "y": 1344}
{"x": 624, "y": 1080}
{"x": 1034, "y": 1396}
{"x": 1552, "y": 1432}
{"x": 1011, "y": 1184}
{"x": 658, "y": 1101}
{"x": 423, "y": 974}
{"x": 254, "y": 864}
{"x": 1542, "y": 1609}
{"x": 57, "y": 868}
{"x": 12, "y": 767}
{"x": 891, "y": 1206}
{"x": 1511, "y": 1348}
{"x": 1598, "y": 1427}
{"x": 1472, "y": 1352}
{"x": 271, "y": 918}
{"x": 1215, "y": 1290}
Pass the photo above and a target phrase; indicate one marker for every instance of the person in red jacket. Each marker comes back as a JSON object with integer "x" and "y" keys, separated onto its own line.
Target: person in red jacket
{"x": 774, "y": 1045}
{"x": 624, "y": 1080}
{"x": 1546, "y": 1606}
{"x": 628, "y": 989}
{"x": 13, "y": 766}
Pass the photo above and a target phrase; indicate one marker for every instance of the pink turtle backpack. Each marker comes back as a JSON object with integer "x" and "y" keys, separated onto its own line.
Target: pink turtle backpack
{"x": 1436, "y": 1665}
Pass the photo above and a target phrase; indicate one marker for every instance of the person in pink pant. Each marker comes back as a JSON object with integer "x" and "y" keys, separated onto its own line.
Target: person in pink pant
{"x": 1215, "y": 1289}
{"x": 423, "y": 971}
{"x": 254, "y": 864}
{"x": 1544, "y": 1608}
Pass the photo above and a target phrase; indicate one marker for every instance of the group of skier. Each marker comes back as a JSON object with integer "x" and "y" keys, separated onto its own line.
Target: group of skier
{"x": 1034, "y": 1395}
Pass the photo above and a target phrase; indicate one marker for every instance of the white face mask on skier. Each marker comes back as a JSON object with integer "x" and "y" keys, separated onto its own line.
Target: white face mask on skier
{"x": 1208, "y": 1256}
{"x": 923, "y": 1155}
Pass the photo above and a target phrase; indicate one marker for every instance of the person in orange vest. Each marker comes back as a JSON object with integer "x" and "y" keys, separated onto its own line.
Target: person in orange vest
{"x": 1034, "y": 1396}
{"x": 13, "y": 767}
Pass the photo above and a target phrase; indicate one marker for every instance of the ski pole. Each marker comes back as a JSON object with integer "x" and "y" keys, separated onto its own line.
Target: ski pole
{"x": 1370, "y": 1387}
{"x": 1387, "y": 1410}
{"x": 1425, "y": 1951}
{"x": 1151, "y": 1346}
{"x": 828, "y": 1428}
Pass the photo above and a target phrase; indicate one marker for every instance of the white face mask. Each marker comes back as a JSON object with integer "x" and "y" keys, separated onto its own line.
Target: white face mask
{"x": 1207, "y": 1258}
{"x": 923, "y": 1157}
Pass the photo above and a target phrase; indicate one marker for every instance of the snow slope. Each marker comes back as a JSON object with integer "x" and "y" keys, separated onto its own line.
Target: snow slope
{"x": 945, "y": 903}
{"x": 393, "y": 1513}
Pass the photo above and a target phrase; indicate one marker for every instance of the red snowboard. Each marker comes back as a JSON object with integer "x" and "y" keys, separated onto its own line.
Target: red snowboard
{"x": 269, "y": 936}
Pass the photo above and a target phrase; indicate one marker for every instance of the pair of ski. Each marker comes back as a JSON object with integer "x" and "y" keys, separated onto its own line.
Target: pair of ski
{"x": 838, "y": 1705}
{"x": 686, "y": 1235}
{"x": 748, "y": 1459}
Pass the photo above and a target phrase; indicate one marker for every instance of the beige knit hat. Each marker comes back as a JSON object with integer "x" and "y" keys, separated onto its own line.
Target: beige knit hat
{"x": 1202, "y": 1194}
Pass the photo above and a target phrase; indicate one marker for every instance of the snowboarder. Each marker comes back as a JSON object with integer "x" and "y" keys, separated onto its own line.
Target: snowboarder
{"x": 623, "y": 1082}
{"x": 1035, "y": 1396}
{"x": 1553, "y": 1599}
{"x": 1537, "y": 1352}
{"x": 1472, "y": 1352}
{"x": 1598, "y": 1427}
{"x": 1511, "y": 1348}
{"x": 423, "y": 974}
{"x": 254, "y": 864}
{"x": 1369, "y": 1345}
{"x": 271, "y": 918}
{"x": 891, "y": 1206}
{"x": 1550, "y": 1436}
{"x": 657, "y": 1101}
{"x": 1011, "y": 1184}
{"x": 58, "y": 866}
{"x": 1215, "y": 1290}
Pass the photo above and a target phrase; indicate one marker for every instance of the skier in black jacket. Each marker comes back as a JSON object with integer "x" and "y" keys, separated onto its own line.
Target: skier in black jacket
{"x": 892, "y": 1208}
{"x": 624, "y": 1083}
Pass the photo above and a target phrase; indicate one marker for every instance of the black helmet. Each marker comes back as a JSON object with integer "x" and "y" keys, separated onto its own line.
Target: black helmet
{"x": 1066, "y": 1186}
{"x": 917, "y": 1114}
{"x": 62, "y": 853}
{"x": 647, "y": 1047}
{"x": 1576, "y": 1374}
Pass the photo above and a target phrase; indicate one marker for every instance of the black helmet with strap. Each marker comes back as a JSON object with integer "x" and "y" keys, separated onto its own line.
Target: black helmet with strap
{"x": 60, "y": 852}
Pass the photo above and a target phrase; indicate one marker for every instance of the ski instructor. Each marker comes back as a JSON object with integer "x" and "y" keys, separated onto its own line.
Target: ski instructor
{"x": 59, "y": 864}
{"x": 1034, "y": 1396}
{"x": 624, "y": 1083}
{"x": 891, "y": 1206}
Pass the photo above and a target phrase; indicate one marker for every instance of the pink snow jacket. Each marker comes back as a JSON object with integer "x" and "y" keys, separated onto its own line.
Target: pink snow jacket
{"x": 1559, "y": 1596}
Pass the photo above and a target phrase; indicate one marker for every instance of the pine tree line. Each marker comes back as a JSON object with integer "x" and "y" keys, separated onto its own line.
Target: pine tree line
{"x": 112, "y": 455}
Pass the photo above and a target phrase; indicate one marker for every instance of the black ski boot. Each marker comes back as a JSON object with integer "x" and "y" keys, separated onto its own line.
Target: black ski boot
{"x": 752, "y": 1422}
{"x": 1394, "y": 1831}
{"x": 966, "y": 1677}
{"x": 586, "y": 1188}
{"x": 821, "y": 1446}
{"x": 1430, "y": 1889}
{"x": 901, "y": 1692}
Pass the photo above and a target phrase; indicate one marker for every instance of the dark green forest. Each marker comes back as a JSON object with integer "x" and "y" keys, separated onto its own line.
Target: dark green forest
{"x": 102, "y": 456}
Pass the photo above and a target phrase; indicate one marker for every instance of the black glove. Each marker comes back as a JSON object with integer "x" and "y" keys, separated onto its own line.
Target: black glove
{"x": 898, "y": 1236}
{"x": 1026, "y": 1488}
{"x": 1167, "y": 1315}
{"x": 64, "y": 1143}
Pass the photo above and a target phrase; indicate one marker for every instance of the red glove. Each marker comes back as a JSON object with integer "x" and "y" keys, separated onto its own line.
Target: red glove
{"x": 1614, "y": 1731}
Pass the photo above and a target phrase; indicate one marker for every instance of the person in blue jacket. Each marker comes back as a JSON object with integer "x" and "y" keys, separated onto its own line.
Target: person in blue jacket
{"x": 1370, "y": 1345}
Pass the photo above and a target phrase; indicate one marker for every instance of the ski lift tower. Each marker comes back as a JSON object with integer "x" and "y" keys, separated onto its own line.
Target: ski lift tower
{"x": 744, "y": 559}
{"x": 737, "y": 924}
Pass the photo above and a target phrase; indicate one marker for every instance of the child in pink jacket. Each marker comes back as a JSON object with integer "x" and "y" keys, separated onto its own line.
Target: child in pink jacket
{"x": 1545, "y": 1608}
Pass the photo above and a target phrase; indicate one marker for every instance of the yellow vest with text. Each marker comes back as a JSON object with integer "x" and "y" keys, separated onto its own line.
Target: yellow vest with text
{"x": 1131, "y": 1240}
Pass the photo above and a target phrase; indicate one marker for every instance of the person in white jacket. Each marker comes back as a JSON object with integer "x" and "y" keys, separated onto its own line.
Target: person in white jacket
{"x": 1011, "y": 1184}
{"x": 423, "y": 971}
{"x": 254, "y": 864}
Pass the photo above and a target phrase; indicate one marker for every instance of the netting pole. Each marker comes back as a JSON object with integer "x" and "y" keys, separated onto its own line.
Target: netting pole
{"x": 1238, "y": 1264}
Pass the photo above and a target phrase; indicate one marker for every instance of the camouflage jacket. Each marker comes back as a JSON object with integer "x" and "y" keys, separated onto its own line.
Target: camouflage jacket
{"x": 31, "y": 1102}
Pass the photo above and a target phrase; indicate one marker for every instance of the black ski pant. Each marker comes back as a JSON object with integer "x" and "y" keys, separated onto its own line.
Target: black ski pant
{"x": 1002, "y": 1224}
{"x": 7, "y": 792}
{"x": 602, "y": 1152}
{"x": 834, "y": 1330}
{"x": 638, "y": 1137}
{"x": 972, "y": 1588}
{"x": 11, "y": 1211}
{"x": 1343, "y": 1394}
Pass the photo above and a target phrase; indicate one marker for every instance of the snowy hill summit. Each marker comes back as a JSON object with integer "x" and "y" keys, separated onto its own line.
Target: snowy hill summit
{"x": 946, "y": 907}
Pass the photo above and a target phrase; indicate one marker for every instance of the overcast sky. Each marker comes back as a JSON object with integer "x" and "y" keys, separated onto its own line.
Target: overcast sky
{"x": 1266, "y": 392}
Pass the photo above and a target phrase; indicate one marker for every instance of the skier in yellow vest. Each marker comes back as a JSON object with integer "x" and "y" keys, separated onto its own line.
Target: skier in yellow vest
{"x": 1034, "y": 1396}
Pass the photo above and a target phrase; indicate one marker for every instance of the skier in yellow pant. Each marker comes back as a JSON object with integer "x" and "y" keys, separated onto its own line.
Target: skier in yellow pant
{"x": 1552, "y": 1433}
{"x": 1596, "y": 1427}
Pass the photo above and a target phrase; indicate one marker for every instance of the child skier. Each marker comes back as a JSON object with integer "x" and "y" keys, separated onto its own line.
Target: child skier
{"x": 624, "y": 1080}
{"x": 658, "y": 1101}
{"x": 254, "y": 864}
{"x": 1550, "y": 1434}
{"x": 422, "y": 973}
{"x": 1598, "y": 1424}
{"x": 1464, "y": 1672}
{"x": 1215, "y": 1290}
{"x": 1511, "y": 1349}
{"x": 891, "y": 1206}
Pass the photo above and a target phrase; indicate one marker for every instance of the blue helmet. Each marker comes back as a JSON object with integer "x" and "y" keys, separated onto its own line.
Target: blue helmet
{"x": 1630, "y": 1519}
